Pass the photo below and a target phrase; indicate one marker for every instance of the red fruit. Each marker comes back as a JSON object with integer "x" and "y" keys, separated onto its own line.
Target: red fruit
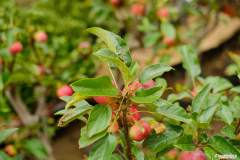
{"x": 162, "y": 12}
{"x": 138, "y": 9}
{"x": 227, "y": 9}
{"x": 131, "y": 117}
{"x": 113, "y": 127}
{"x": 40, "y": 69}
{"x": 1, "y": 61}
{"x": 168, "y": 41}
{"x": 15, "y": 48}
{"x": 83, "y": 45}
{"x": 194, "y": 93}
{"x": 40, "y": 36}
{"x": 115, "y": 3}
{"x": 149, "y": 84}
{"x": 10, "y": 150}
{"x": 193, "y": 155}
{"x": 65, "y": 90}
{"x": 137, "y": 134}
{"x": 173, "y": 154}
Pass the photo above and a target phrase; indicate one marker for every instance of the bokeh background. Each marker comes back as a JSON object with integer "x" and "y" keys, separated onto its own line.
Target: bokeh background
{"x": 153, "y": 30}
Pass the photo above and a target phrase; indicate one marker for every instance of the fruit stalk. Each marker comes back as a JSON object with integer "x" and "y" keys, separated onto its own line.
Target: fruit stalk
{"x": 129, "y": 154}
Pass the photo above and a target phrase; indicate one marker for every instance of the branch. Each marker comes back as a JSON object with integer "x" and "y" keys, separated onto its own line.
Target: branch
{"x": 120, "y": 153}
{"x": 41, "y": 99}
{"x": 126, "y": 133}
{"x": 19, "y": 106}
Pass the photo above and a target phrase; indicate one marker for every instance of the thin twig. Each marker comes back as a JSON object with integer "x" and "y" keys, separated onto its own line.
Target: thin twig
{"x": 126, "y": 134}
{"x": 120, "y": 153}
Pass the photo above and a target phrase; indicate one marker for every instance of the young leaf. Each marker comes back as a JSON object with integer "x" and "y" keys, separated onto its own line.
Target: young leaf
{"x": 161, "y": 82}
{"x": 190, "y": 61}
{"x": 74, "y": 99}
{"x": 116, "y": 156}
{"x": 221, "y": 145}
{"x": 6, "y": 133}
{"x": 203, "y": 138}
{"x": 200, "y": 100}
{"x": 151, "y": 39}
{"x": 226, "y": 114}
{"x": 147, "y": 95}
{"x": 111, "y": 56}
{"x": 85, "y": 141}
{"x": 168, "y": 30}
{"x": 99, "y": 119}
{"x": 157, "y": 142}
{"x": 174, "y": 112}
{"x": 134, "y": 69}
{"x": 183, "y": 95}
{"x": 153, "y": 71}
{"x": 235, "y": 89}
{"x": 211, "y": 153}
{"x": 36, "y": 148}
{"x": 103, "y": 148}
{"x": 185, "y": 143}
{"x": 114, "y": 42}
{"x": 101, "y": 86}
{"x": 205, "y": 117}
{"x": 221, "y": 84}
{"x": 229, "y": 131}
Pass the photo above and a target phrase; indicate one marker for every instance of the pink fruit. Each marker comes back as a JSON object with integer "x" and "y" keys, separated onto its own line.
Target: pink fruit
{"x": 131, "y": 117}
{"x": 65, "y": 90}
{"x": 194, "y": 93}
{"x": 168, "y": 41}
{"x": 149, "y": 84}
{"x": 137, "y": 134}
{"x": 10, "y": 150}
{"x": 193, "y": 155}
{"x": 115, "y": 3}
{"x": 113, "y": 127}
{"x": 83, "y": 45}
{"x": 41, "y": 69}
{"x": 173, "y": 154}
{"x": 162, "y": 12}
{"x": 15, "y": 48}
{"x": 40, "y": 36}
{"x": 138, "y": 9}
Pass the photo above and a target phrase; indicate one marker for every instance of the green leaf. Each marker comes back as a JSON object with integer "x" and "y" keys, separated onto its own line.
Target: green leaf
{"x": 146, "y": 25}
{"x": 174, "y": 112}
{"x": 138, "y": 153}
{"x": 111, "y": 56}
{"x": 116, "y": 156}
{"x": 171, "y": 97}
{"x": 238, "y": 73}
{"x": 221, "y": 84}
{"x": 152, "y": 38}
{"x": 210, "y": 153}
{"x": 74, "y": 99}
{"x": 6, "y": 133}
{"x": 205, "y": 117}
{"x": 229, "y": 131}
{"x": 185, "y": 143}
{"x": 103, "y": 148}
{"x": 190, "y": 61}
{"x": 200, "y": 99}
{"x": 99, "y": 119}
{"x": 221, "y": 145}
{"x": 36, "y": 148}
{"x": 157, "y": 142}
{"x": 4, "y": 156}
{"x": 235, "y": 89}
{"x": 153, "y": 71}
{"x": 203, "y": 138}
{"x": 114, "y": 42}
{"x": 226, "y": 114}
{"x": 161, "y": 82}
{"x": 165, "y": 150}
{"x": 101, "y": 86}
{"x": 134, "y": 69}
{"x": 168, "y": 30}
{"x": 147, "y": 95}
{"x": 183, "y": 95}
{"x": 234, "y": 142}
{"x": 85, "y": 141}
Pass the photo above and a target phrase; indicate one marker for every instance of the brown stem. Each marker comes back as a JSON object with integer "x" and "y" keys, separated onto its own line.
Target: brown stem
{"x": 238, "y": 127}
{"x": 126, "y": 133}
{"x": 41, "y": 101}
{"x": 120, "y": 153}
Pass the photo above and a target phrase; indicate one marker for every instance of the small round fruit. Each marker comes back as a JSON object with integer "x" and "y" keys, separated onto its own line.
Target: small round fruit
{"x": 136, "y": 114}
{"x": 193, "y": 155}
{"x": 65, "y": 90}
{"x": 41, "y": 69}
{"x": 138, "y": 9}
{"x": 168, "y": 41}
{"x": 40, "y": 36}
{"x": 173, "y": 154}
{"x": 84, "y": 45}
{"x": 113, "y": 127}
{"x": 115, "y": 3}
{"x": 137, "y": 134}
{"x": 162, "y": 12}
{"x": 10, "y": 150}
{"x": 16, "y": 47}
